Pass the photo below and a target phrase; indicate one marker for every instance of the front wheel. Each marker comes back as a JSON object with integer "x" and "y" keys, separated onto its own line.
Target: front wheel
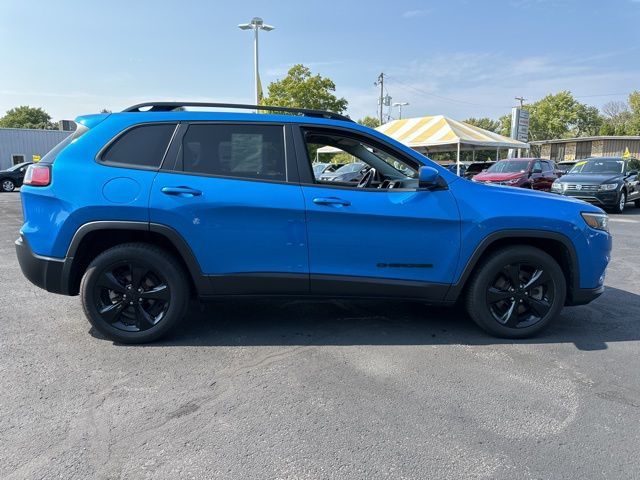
{"x": 7, "y": 185}
{"x": 516, "y": 292}
{"x": 622, "y": 200}
{"x": 134, "y": 293}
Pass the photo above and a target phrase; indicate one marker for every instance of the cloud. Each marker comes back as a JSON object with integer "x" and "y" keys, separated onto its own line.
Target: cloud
{"x": 416, "y": 13}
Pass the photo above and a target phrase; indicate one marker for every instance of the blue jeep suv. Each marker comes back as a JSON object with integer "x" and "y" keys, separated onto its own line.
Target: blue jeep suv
{"x": 141, "y": 210}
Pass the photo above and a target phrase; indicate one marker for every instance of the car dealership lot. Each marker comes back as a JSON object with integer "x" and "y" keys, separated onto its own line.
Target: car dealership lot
{"x": 320, "y": 389}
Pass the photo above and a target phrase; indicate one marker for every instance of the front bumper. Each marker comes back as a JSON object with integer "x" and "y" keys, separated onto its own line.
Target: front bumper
{"x": 48, "y": 273}
{"x": 582, "y": 296}
{"x": 606, "y": 199}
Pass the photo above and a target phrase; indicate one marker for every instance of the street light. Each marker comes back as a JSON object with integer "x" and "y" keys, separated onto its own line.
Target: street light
{"x": 255, "y": 25}
{"x": 400, "y": 105}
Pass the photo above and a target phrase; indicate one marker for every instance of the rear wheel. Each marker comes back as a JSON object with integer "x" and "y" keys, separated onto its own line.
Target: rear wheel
{"x": 516, "y": 292}
{"x": 134, "y": 293}
{"x": 7, "y": 185}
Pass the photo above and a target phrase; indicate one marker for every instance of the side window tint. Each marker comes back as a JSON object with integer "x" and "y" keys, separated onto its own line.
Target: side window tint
{"x": 245, "y": 151}
{"x": 142, "y": 146}
{"x": 537, "y": 166}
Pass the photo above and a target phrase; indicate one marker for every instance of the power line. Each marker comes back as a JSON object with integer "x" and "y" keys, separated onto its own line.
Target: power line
{"x": 441, "y": 97}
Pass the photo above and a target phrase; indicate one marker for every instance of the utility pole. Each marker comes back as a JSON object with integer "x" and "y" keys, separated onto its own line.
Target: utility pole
{"x": 381, "y": 99}
{"x": 521, "y": 100}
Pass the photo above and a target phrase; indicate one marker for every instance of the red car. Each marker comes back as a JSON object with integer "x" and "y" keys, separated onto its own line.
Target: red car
{"x": 535, "y": 173}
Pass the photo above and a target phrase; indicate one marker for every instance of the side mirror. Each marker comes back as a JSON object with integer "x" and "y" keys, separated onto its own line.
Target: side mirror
{"x": 632, "y": 172}
{"x": 428, "y": 177}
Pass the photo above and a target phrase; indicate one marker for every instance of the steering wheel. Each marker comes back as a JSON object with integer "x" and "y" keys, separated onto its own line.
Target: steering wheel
{"x": 365, "y": 182}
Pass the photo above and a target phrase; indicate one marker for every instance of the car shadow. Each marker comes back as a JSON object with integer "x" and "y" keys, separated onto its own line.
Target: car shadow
{"x": 614, "y": 317}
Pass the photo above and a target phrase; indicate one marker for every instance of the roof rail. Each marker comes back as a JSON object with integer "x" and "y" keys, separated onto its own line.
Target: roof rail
{"x": 170, "y": 106}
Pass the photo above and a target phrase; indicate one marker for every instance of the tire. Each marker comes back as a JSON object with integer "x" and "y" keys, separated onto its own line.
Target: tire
{"x": 636, "y": 203}
{"x": 622, "y": 200}
{"x": 7, "y": 185}
{"x": 134, "y": 293}
{"x": 520, "y": 313}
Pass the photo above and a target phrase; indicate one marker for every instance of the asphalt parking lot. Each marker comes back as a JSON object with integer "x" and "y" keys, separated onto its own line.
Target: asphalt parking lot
{"x": 320, "y": 389}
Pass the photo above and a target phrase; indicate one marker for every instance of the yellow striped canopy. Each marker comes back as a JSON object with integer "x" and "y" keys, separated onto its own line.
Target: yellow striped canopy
{"x": 438, "y": 130}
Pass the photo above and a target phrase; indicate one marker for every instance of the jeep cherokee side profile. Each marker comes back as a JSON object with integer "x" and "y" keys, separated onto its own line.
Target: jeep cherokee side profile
{"x": 140, "y": 210}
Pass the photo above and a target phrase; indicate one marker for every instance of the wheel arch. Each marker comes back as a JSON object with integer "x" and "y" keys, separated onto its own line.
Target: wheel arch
{"x": 93, "y": 238}
{"x": 555, "y": 244}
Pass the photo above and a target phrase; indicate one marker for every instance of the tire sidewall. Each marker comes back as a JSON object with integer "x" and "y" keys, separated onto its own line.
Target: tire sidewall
{"x": 486, "y": 275}
{"x": 171, "y": 274}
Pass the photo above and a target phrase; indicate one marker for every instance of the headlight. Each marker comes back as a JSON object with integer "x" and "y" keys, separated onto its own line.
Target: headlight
{"x": 599, "y": 221}
{"x": 557, "y": 186}
{"x": 608, "y": 186}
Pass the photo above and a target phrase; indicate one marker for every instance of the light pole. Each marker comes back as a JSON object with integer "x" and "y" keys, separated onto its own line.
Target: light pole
{"x": 255, "y": 25}
{"x": 400, "y": 105}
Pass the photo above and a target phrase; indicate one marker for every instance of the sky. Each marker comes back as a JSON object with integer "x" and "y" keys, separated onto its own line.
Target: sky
{"x": 460, "y": 58}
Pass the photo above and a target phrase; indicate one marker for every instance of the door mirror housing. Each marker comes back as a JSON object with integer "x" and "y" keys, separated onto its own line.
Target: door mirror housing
{"x": 429, "y": 178}
{"x": 632, "y": 173}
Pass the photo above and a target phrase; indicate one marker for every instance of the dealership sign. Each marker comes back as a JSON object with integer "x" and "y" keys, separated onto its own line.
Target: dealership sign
{"x": 520, "y": 124}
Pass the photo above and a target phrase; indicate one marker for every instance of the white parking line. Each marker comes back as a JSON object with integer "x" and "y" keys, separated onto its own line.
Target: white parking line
{"x": 623, "y": 220}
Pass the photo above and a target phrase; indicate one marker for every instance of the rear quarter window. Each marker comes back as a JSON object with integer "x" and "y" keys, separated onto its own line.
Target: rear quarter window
{"x": 140, "y": 146}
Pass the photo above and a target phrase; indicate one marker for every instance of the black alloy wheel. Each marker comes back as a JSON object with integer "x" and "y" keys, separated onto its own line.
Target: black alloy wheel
{"x": 516, "y": 291}
{"x": 132, "y": 297}
{"x": 520, "y": 295}
{"x": 135, "y": 292}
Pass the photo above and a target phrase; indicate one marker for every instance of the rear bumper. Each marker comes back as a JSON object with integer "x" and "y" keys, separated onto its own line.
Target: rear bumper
{"x": 44, "y": 272}
{"x": 582, "y": 296}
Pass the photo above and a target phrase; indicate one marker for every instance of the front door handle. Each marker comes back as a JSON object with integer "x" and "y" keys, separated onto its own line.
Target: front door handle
{"x": 181, "y": 191}
{"x": 331, "y": 201}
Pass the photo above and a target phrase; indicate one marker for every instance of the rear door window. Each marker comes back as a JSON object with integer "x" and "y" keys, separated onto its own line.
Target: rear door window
{"x": 243, "y": 151}
{"x": 141, "y": 146}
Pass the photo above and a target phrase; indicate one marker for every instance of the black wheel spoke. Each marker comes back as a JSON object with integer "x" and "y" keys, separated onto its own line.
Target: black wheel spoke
{"x": 539, "y": 307}
{"x": 513, "y": 274}
{"x": 495, "y": 295}
{"x": 160, "y": 292}
{"x": 110, "y": 282}
{"x": 539, "y": 277}
{"x": 111, "y": 312}
{"x": 137, "y": 274}
{"x": 144, "y": 319}
{"x": 510, "y": 317}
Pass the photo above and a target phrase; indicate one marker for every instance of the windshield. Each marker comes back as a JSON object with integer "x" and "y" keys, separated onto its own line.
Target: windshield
{"x": 599, "y": 166}
{"x": 17, "y": 167}
{"x": 350, "y": 167}
{"x": 509, "y": 166}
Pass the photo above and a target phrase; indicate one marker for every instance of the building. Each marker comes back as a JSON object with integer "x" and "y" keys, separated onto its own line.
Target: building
{"x": 584, "y": 147}
{"x": 19, "y": 145}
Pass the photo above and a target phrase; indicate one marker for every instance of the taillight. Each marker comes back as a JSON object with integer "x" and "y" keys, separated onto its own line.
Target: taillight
{"x": 37, "y": 175}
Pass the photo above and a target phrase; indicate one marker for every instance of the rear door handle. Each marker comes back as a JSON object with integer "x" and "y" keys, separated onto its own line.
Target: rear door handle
{"x": 331, "y": 201}
{"x": 181, "y": 191}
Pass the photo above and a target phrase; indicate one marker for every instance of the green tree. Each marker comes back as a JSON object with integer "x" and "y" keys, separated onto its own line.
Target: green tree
{"x": 368, "y": 121}
{"x": 485, "y": 123}
{"x": 617, "y": 119}
{"x": 27, "y": 117}
{"x": 301, "y": 89}
{"x": 558, "y": 116}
